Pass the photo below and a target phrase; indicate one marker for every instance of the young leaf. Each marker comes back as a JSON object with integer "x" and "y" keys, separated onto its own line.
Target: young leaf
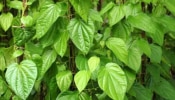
{"x": 116, "y": 14}
{"x": 81, "y": 7}
{"x": 61, "y": 44}
{"x": 15, "y": 4}
{"x": 21, "y": 78}
{"x": 68, "y": 95}
{"x": 6, "y": 20}
{"x": 48, "y": 57}
{"x": 156, "y": 53}
{"x": 144, "y": 47}
{"x": 81, "y": 34}
{"x": 112, "y": 81}
{"x": 94, "y": 15}
{"x": 93, "y": 63}
{"x": 27, "y": 21}
{"x": 107, "y": 8}
{"x": 48, "y": 17}
{"x": 17, "y": 53}
{"x": 64, "y": 80}
{"x": 81, "y": 62}
{"x": 134, "y": 58}
{"x": 81, "y": 79}
{"x": 118, "y": 47}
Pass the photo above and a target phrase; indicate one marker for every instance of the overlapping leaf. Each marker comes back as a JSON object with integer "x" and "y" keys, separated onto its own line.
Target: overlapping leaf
{"x": 6, "y": 20}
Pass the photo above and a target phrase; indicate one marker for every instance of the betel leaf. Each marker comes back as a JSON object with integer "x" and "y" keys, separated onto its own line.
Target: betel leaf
{"x": 156, "y": 53}
{"x": 2, "y": 62}
{"x": 15, "y": 4}
{"x": 165, "y": 89}
{"x": 145, "y": 23}
{"x": 21, "y": 78}
{"x": 81, "y": 79}
{"x": 82, "y": 7}
{"x": 95, "y": 15}
{"x": 134, "y": 58}
{"x": 17, "y": 53}
{"x": 48, "y": 17}
{"x": 48, "y": 57}
{"x": 68, "y": 95}
{"x": 61, "y": 43}
{"x": 112, "y": 81}
{"x": 170, "y": 6}
{"x": 93, "y": 63}
{"x": 81, "y": 62}
{"x": 27, "y": 21}
{"x": 6, "y": 20}
{"x": 144, "y": 46}
{"x": 81, "y": 34}
{"x": 107, "y": 8}
{"x": 22, "y": 35}
{"x": 118, "y": 47}
{"x": 116, "y": 14}
{"x": 130, "y": 76}
{"x": 64, "y": 80}
{"x": 84, "y": 96}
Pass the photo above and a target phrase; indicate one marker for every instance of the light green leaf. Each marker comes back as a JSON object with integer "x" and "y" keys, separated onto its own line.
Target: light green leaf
{"x": 116, "y": 14}
{"x": 48, "y": 57}
{"x": 64, "y": 80}
{"x": 81, "y": 62}
{"x": 81, "y": 34}
{"x": 107, "y": 8}
{"x": 48, "y": 17}
{"x": 95, "y": 15}
{"x": 156, "y": 53}
{"x": 27, "y": 21}
{"x": 82, "y": 7}
{"x": 84, "y": 96}
{"x": 2, "y": 62}
{"x": 21, "y": 78}
{"x": 1, "y": 6}
{"x": 17, "y": 53}
{"x": 118, "y": 47}
{"x": 170, "y": 6}
{"x": 3, "y": 88}
{"x": 6, "y": 20}
{"x": 134, "y": 58}
{"x": 144, "y": 46}
{"x": 81, "y": 79}
{"x": 93, "y": 63}
{"x": 112, "y": 81}
{"x": 145, "y": 23}
{"x": 130, "y": 76}
{"x": 165, "y": 89}
{"x": 61, "y": 44}
{"x": 15, "y": 4}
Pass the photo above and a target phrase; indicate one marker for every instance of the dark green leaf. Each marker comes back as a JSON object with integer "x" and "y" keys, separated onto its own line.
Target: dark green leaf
{"x": 156, "y": 53}
{"x": 21, "y": 78}
{"x": 144, "y": 47}
{"x": 170, "y": 6}
{"x": 81, "y": 62}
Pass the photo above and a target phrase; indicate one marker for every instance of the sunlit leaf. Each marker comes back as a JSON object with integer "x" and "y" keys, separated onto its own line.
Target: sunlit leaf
{"x": 81, "y": 62}
{"x": 93, "y": 63}
{"x": 6, "y": 20}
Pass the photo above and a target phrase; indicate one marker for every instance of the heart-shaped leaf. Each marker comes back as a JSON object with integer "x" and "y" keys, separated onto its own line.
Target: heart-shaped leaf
{"x": 6, "y": 20}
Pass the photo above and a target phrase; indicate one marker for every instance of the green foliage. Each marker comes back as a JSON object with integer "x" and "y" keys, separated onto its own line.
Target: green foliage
{"x": 87, "y": 49}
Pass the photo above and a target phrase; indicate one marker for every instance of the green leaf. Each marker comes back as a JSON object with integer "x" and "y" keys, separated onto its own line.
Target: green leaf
{"x": 81, "y": 79}
{"x": 165, "y": 89}
{"x": 118, "y": 47}
{"x": 64, "y": 80}
{"x": 48, "y": 17}
{"x": 116, "y": 14}
{"x": 27, "y": 21}
{"x": 17, "y": 53}
{"x": 6, "y": 20}
{"x": 15, "y": 4}
{"x": 1, "y": 7}
{"x": 142, "y": 93}
{"x": 48, "y": 57}
{"x": 145, "y": 23}
{"x": 93, "y": 63}
{"x": 156, "y": 53}
{"x": 107, "y": 8}
{"x": 68, "y": 95}
{"x": 81, "y": 34}
{"x": 21, "y": 78}
{"x": 95, "y": 15}
{"x": 22, "y": 35}
{"x": 2, "y": 62}
{"x": 130, "y": 76}
{"x": 134, "y": 58}
{"x": 61, "y": 44}
{"x": 112, "y": 81}
{"x": 81, "y": 7}
{"x": 81, "y": 62}
{"x": 84, "y": 96}
{"x": 144, "y": 46}
{"x": 170, "y": 6}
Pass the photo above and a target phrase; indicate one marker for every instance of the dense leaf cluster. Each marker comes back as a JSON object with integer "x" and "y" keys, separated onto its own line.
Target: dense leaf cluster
{"x": 87, "y": 50}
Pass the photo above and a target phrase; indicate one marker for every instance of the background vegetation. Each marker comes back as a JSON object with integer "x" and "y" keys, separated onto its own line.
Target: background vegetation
{"x": 87, "y": 49}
